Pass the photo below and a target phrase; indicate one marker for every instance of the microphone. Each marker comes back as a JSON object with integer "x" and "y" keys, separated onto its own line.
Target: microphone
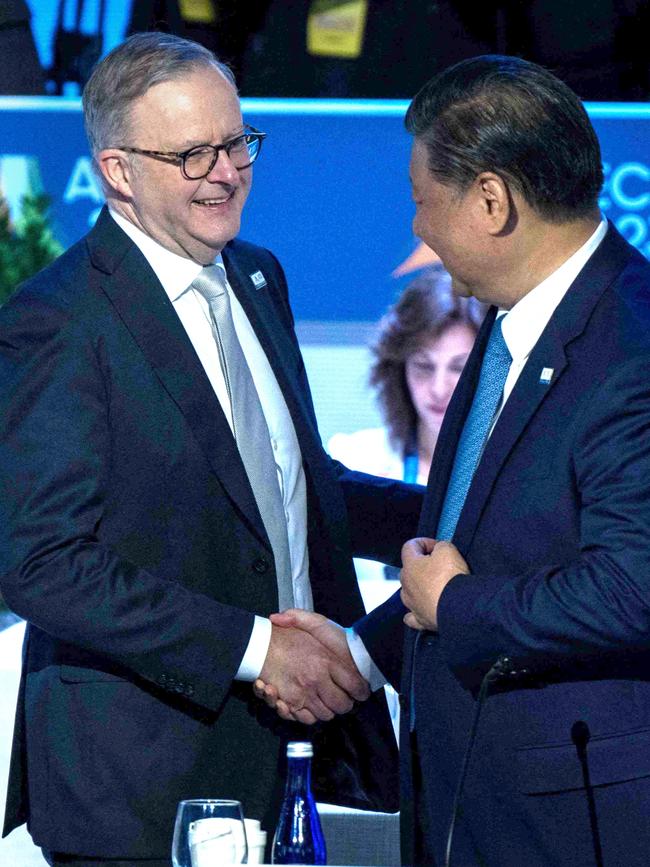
{"x": 581, "y": 735}
{"x": 503, "y": 668}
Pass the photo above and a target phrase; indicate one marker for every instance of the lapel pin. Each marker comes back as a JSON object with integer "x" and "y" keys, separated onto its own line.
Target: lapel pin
{"x": 259, "y": 281}
{"x": 546, "y": 375}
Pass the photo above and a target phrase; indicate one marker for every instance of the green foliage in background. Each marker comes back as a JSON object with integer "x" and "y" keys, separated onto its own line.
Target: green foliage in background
{"x": 25, "y": 249}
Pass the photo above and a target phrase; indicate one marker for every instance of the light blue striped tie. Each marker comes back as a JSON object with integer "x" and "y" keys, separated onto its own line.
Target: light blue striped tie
{"x": 487, "y": 397}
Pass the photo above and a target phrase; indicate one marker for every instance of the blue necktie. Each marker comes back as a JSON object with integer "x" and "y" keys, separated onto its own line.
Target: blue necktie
{"x": 487, "y": 397}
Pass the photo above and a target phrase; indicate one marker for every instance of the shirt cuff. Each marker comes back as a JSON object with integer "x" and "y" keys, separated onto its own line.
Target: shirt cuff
{"x": 363, "y": 660}
{"x": 258, "y": 646}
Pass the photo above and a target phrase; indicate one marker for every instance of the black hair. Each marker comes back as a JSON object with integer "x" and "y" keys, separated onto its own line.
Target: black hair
{"x": 514, "y": 118}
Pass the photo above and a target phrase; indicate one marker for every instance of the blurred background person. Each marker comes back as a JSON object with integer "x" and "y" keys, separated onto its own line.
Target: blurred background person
{"x": 422, "y": 346}
{"x": 364, "y": 49}
{"x": 423, "y": 342}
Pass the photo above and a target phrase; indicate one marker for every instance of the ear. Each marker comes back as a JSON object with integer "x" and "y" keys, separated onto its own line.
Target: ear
{"x": 495, "y": 201}
{"x": 116, "y": 170}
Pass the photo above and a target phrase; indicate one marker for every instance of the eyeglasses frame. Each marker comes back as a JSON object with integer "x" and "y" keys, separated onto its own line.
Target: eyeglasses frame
{"x": 176, "y": 156}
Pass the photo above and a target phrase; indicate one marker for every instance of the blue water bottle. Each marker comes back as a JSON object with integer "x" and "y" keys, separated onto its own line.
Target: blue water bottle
{"x": 298, "y": 837}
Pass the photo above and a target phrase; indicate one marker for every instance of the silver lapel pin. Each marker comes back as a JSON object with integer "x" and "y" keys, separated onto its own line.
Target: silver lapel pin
{"x": 259, "y": 281}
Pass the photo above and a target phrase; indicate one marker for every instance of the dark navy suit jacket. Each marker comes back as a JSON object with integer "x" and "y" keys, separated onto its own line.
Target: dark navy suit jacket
{"x": 131, "y": 541}
{"x": 556, "y": 533}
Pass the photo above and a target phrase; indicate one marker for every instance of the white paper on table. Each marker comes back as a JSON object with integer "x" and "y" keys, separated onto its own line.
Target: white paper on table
{"x": 216, "y": 840}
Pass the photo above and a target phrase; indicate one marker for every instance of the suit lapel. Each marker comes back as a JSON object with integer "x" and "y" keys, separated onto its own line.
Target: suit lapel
{"x": 523, "y": 403}
{"x": 326, "y": 511}
{"x": 263, "y": 316}
{"x": 568, "y": 322}
{"x": 148, "y": 314}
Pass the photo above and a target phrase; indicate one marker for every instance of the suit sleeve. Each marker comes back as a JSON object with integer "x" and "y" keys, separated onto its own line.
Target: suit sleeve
{"x": 55, "y": 465}
{"x": 382, "y": 633}
{"x": 383, "y": 514}
{"x": 597, "y": 607}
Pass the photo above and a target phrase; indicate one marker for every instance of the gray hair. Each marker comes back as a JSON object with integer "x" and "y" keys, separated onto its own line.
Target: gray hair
{"x": 128, "y": 71}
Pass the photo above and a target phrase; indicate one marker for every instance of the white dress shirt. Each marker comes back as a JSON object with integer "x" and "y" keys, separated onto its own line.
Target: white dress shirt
{"x": 522, "y": 327}
{"x": 176, "y": 275}
{"x": 525, "y": 322}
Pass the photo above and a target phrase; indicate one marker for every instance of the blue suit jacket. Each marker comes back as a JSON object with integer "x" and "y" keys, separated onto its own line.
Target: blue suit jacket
{"x": 131, "y": 541}
{"x": 556, "y": 532}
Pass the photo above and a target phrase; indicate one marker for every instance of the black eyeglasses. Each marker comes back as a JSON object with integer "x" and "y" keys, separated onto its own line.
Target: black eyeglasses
{"x": 197, "y": 162}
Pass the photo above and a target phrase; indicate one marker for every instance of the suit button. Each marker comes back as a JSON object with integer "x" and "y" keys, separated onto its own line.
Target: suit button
{"x": 162, "y": 680}
{"x": 171, "y": 682}
{"x": 180, "y": 686}
{"x": 190, "y": 689}
{"x": 261, "y": 565}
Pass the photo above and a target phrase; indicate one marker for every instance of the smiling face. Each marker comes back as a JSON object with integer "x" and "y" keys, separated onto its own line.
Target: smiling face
{"x": 433, "y": 371}
{"x": 446, "y": 219}
{"x": 195, "y": 219}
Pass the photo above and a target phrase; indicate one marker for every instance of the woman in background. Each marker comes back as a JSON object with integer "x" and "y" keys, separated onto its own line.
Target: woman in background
{"x": 423, "y": 343}
{"x": 422, "y": 347}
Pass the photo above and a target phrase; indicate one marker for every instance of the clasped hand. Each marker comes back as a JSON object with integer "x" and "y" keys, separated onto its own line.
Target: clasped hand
{"x": 427, "y": 567}
{"x": 308, "y": 673}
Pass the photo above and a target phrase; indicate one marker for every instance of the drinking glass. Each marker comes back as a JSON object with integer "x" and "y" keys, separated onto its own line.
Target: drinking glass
{"x": 209, "y": 832}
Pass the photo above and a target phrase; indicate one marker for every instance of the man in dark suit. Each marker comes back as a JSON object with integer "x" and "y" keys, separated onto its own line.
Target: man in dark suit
{"x": 151, "y": 520}
{"x": 535, "y": 532}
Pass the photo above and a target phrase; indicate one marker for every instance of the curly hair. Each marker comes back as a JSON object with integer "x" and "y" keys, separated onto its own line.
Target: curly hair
{"x": 424, "y": 310}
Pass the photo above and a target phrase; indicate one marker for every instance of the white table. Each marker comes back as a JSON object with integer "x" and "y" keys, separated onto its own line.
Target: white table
{"x": 16, "y": 849}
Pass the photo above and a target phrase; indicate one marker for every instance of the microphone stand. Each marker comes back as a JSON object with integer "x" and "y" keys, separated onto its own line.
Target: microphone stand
{"x": 580, "y": 736}
{"x": 503, "y": 667}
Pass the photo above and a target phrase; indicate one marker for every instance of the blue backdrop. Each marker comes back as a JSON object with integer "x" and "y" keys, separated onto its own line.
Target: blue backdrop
{"x": 330, "y": 196}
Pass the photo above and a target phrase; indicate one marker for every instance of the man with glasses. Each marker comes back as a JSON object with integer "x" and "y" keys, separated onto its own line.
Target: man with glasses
{"x": 165, "y": 490}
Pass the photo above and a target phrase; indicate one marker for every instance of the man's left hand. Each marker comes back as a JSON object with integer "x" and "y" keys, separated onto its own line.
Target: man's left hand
{"x": 427, "y": 567}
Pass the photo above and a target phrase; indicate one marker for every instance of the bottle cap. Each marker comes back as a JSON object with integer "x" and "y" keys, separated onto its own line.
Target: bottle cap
{"x": 299, "y": 750}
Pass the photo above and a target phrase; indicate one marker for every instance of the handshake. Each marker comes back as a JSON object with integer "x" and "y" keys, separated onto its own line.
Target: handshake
{"x": 309, "y": 673}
